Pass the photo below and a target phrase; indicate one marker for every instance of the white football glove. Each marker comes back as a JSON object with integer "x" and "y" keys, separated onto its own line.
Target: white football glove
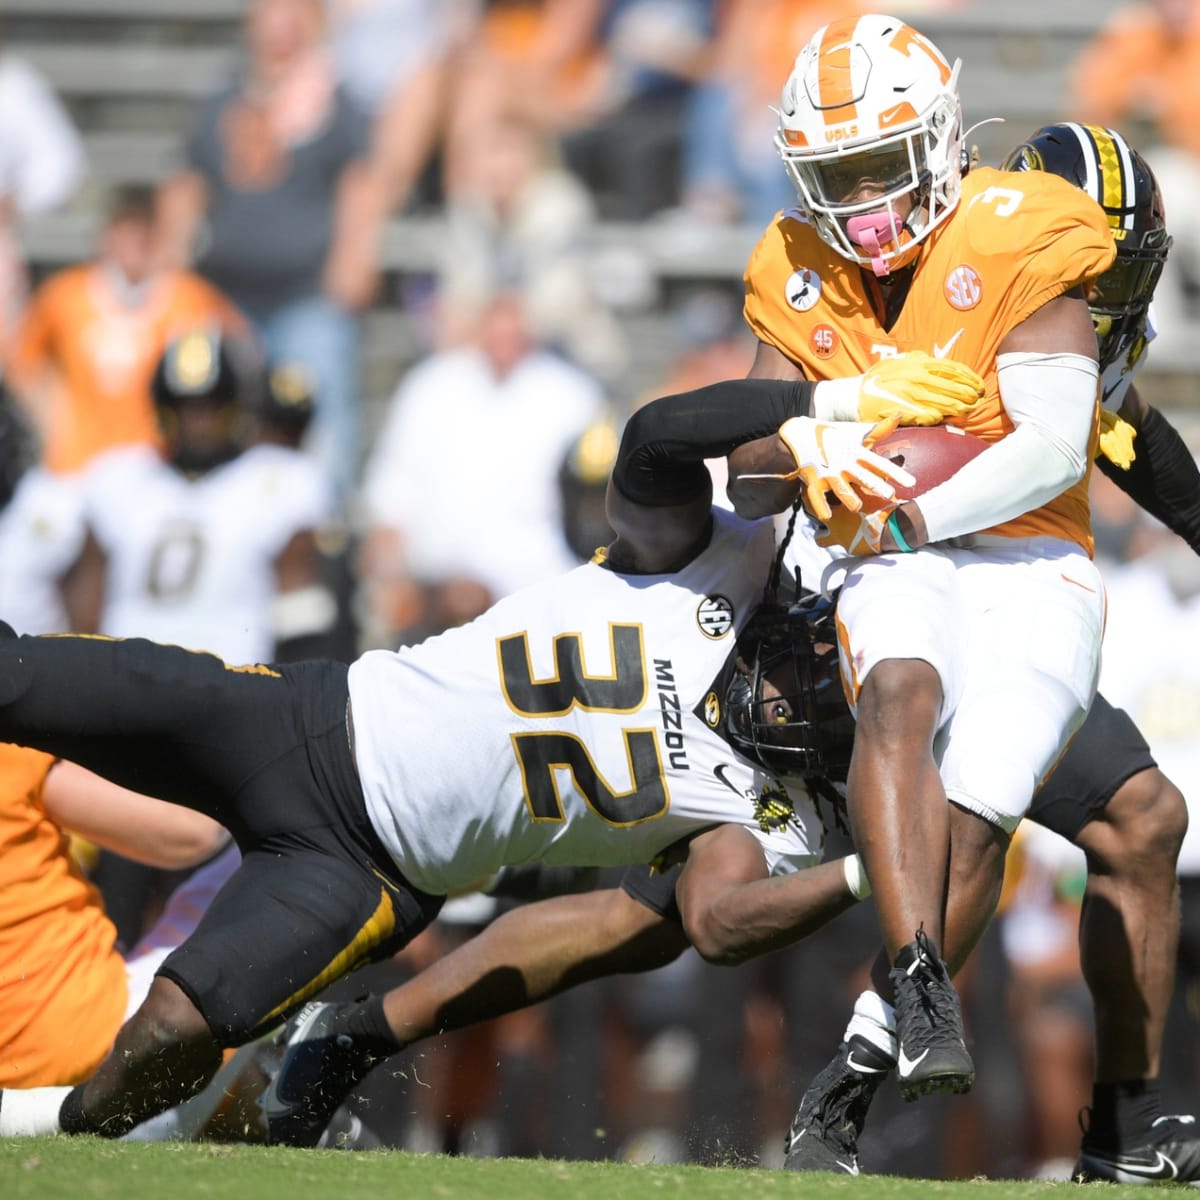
{"x": 837, "y": 457}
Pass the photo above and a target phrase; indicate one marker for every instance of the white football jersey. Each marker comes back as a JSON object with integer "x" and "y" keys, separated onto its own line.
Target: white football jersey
{"x": 192, "y": 562}
{"x": 575, "y": 723}
{"x": 41, "y": 534}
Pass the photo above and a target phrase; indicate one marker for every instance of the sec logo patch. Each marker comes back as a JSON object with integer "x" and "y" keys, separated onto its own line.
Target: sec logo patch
{"x": 714, "y": 616}
{"x": 964, "y": 288}
{"x": 803, "y": 289}
{"x": 824, "y": 341}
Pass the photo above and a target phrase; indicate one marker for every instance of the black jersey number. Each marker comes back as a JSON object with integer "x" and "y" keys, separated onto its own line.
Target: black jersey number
{"x": 540, "y": 754}
{"x": 175, "y": 561}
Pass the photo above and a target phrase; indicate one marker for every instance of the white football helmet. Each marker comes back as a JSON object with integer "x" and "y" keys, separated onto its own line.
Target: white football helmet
{"x": 870, "y": 131}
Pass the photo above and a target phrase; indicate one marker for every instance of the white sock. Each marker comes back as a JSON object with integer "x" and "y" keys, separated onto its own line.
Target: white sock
{"x": 31, "y": 1112}
{"x": 875, "y": 1020}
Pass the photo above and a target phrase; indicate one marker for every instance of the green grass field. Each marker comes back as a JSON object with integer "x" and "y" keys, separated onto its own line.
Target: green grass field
{"x": 81, "y": 1168}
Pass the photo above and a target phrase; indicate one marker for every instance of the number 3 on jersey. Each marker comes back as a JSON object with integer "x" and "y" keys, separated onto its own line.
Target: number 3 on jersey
{"x": 540, "y": 754}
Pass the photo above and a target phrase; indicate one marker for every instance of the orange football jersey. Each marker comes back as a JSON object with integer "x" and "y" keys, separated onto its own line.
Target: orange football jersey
{"x": 62, "y": 983}
{"x": 103, "y": 351}
{"x": 1016, "y": 241}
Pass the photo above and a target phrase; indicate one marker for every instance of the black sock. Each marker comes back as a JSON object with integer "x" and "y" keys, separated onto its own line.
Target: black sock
{"x": 1123, "y": 1109}
{"x": 365, "y": 1023}
{"x": 70, "y": 1115}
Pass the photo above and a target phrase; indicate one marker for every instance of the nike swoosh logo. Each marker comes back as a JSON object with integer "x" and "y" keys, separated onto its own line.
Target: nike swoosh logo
{"x": 908, "y": 1065}
{"x": 942, "y": 351}
{"x": 865, "y": 1068}
{"x": 871, "y": 388}
{"x": 1164, "y": 1168}
{"x": 719, "y": 771}
{"x": 849, "y": 1168}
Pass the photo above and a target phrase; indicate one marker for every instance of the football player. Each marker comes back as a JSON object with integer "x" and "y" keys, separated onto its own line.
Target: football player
{"x": 970, "y": 628}
{"x": 207, "y": 542}
{"x": 647, "y": 703}
{"x": 1107, "y": 795}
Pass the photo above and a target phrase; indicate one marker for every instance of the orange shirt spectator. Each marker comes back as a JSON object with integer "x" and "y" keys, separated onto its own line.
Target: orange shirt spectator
{"x": 92, "y": 335}
{"x": 1145, "y": 64}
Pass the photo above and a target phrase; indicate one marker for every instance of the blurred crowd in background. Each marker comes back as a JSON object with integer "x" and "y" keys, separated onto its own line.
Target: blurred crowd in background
{"x": 468, "y": 237}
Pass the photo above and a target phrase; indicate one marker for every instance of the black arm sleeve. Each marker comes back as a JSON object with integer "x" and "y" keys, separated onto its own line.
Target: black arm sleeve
{"x": 661, "y": 460}
{"x": 1163, "y": 477}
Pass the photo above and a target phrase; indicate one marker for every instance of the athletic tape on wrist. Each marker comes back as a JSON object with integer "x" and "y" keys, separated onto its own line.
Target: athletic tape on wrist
{"x": 897, "y": 536}
{"x": 856, "y": 877}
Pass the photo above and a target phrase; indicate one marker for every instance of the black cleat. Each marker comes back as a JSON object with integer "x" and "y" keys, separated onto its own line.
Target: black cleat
{"x": 825, "y": 1130}
{"x": 1167, "y": 1152}
{"x": 320, "y": 1067}
{"x": 932, "y": 1053}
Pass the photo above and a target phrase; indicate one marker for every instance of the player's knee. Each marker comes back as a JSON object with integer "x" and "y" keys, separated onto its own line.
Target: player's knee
{"x": 168, "y": 1017}
{"x": 898, "y": 697}
{"x": 1149, "y": 818}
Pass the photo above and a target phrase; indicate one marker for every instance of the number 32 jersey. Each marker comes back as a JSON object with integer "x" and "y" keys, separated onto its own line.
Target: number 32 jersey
{"x": 576, "y": 723}
{"x": 1016, "y": 241}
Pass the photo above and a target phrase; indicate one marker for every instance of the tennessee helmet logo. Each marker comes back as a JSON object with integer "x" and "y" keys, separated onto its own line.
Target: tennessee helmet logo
{"x": 714, "y": 615}
{"x": 803, "y": 289}
{"x": 824, "y": 341}
{"x": 964, "y": 288}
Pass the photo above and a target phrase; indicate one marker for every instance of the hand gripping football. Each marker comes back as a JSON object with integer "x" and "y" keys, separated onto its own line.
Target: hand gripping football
{"x": 931, "y": 453}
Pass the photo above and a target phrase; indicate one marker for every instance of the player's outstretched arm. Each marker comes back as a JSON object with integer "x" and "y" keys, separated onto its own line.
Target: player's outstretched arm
{"x": 1163, "y": 477}
{"x": 660, "y": 494}
{"x": 733, "y": 910}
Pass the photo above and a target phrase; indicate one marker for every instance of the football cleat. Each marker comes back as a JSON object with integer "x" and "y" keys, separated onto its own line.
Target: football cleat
{"x": 1167, "y": 1152}
{"x": 825, "y": 1130}
{"x": 320, "y": 1067}
{"x": 932, "y": 1054}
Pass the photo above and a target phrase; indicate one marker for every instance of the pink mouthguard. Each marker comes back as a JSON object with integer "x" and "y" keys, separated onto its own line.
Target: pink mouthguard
{"x": 869, "y": 230}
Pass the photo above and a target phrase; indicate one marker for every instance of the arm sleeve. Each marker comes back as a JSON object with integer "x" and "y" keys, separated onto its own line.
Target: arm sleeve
{"x": 661, "y": 460}
{"x": 1163, "y": 477}
{"x": 1051, "y": 399}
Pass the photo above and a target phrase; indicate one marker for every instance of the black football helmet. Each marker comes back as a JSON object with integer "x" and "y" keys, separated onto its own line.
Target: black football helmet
{"x": 200, "y": 370}
{"x": 802, "y": 726}
{"x": 288, "y": 402}
{"x": 1118, "y": 178}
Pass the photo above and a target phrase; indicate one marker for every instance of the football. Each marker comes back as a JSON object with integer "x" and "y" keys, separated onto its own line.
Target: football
{"x": 930, "y": 452}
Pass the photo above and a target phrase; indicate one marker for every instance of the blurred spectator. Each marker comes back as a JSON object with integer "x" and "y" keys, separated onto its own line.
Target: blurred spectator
{"x": 278, "y": 166}
{"x": 41, "y": 161}
{"x": 731, "y": 170}
{"x": 1049, "y": 1004}
{"x": 609, "y": 77}
{"x": 626, "y": 139}
{"x": 392, "y": 59}
{"x": 89, "y": 341}
{"x": 1143, "y": 68}
{"x": 517, "y": 219}
{"x": 460, "y": 493}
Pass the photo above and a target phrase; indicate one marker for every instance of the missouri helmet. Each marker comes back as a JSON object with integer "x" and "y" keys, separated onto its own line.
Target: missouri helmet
{"x": 1118, "y": 178}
